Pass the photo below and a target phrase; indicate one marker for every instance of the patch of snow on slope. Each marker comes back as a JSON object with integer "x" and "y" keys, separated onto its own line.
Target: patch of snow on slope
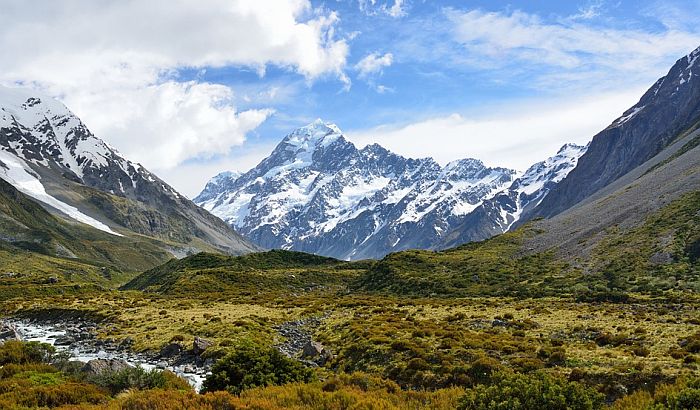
{"x": 629, "y": 116}
{"x": 19, "y": 175}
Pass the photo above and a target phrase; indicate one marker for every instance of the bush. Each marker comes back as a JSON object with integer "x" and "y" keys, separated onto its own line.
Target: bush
{"x": 249, "y": 367}
{"x": 139, "y": 378}
{"x": 683, "y": 395}
{"x": 16, "y": 352}
{"x": 536, "y": 391}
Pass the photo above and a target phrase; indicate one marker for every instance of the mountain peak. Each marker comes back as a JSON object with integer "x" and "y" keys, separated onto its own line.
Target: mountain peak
{"x": 570, "y": 147}
{"x": 227, "y": 175}
{"x": 316, "y": 133}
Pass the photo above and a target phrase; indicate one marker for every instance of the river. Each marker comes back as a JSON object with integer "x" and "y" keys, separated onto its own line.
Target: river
{"x": 49, "y": 333}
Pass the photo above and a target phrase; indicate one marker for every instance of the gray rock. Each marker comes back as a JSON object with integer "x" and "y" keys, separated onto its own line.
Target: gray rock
{"x": 317, "y": 352}
{"x": 171, "y": 350}
{"x": 661, "y": 258}
{"x": 8, "y": 332}
{"x": 63, "y": 341}
{"x": 312, "y": 349}
{"x": 96, "y": 367}
{"x": 200, "y": 345}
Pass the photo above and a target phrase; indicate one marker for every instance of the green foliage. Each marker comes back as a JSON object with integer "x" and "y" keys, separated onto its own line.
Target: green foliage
{"x": 682, "y": 395}
{"x": 533, "y": 391}
{"x": 249, "y": 367}
{"x": 16, "y": 352}
{"x": 495, "y": 267}
{"x": 276, "y": 273}
{"x": 138, "y": 378}
{"x": 657, "y": 256}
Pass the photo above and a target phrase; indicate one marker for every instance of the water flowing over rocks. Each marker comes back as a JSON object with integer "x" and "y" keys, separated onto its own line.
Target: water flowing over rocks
{"x": 78, "y": 338}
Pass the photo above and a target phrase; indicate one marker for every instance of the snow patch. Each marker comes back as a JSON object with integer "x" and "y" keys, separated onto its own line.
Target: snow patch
{"x": 19, "y": 174}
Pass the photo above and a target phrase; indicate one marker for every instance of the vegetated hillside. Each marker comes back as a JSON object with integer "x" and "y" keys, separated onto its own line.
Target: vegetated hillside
{"x": 265, "y": 272}
{"x": 625, "y": 204}
{"x": 24, "y": 224}
{"x": 670, "y": 107}
{"x": 48, "y": 154}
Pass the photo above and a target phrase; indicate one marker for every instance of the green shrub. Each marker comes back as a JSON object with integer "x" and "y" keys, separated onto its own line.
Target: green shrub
{"x": 139, "y": 378}
{"x": 534, "y": 391}
{"x": 249, "y": 367}
{"x": 16, "y": 352}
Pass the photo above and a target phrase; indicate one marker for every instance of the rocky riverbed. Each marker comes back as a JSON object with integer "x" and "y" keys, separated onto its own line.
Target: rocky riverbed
{"x": 78, "y": 338}
{"x": 298, "y": 343}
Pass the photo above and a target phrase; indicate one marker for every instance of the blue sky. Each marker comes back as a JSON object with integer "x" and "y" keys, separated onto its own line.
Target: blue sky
{"x": 193, "y": 89}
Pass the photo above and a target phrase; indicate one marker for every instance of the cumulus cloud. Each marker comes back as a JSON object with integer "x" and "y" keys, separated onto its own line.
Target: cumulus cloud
{"x": 515, "y": 136}
{"x": 373, "y": 63}
{"x": 115, "y": 64}
{"x": 166, "y": 124}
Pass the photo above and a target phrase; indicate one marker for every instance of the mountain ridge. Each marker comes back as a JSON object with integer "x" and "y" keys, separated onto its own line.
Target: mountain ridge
{"x": 316, "y": 192}
{"x": 52, "y": 157}
{"x": 668, "y": 108}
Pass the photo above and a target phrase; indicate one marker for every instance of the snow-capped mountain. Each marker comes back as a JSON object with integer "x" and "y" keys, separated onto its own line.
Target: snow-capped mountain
{"x": 500, "y": 213}
{"x": 318, "y": 193}
{"x": 47, "y": 153}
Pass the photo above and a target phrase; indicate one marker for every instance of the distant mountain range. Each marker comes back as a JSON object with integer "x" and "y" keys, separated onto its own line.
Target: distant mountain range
{"x": 49, "y": 156}
{"x": 318, "y": 193}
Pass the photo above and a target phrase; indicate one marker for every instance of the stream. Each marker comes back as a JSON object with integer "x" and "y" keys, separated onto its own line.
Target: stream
{"x": 84, "y": 351}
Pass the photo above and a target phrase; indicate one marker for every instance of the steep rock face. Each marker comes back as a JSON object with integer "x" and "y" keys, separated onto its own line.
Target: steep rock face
{"x": 49, "y": 154}
{"x": 318, "y": 193}
{"x": 670, "y": 107}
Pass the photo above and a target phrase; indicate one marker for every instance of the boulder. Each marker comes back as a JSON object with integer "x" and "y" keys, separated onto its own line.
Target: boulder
{"x": 312, "y": 349}
{"x": 96, "y": 367}
{"x": 200, "y": 345}
{"x": 63, "y": 341}
{"x": 317, "y": 352}
{"x": 8, "y": 332}
{"x": 171, "y": 350}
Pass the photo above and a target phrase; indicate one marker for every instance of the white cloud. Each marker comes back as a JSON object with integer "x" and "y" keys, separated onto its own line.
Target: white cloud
{"x": 373, "y": 7}
{"x": 397, "y": 10}
{"x": 373, "y": 63}
{"x": 115, "y": 64}
{"x": 500, "y": 39}
{"x": 592, "y": 10}
{"x": 516, "y": 136}
{"x": 163, "y": 125}
{"x": 190, "y": 177}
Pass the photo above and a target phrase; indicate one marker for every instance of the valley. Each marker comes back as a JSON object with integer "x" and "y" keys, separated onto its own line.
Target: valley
{"x": 334, "y": 275}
